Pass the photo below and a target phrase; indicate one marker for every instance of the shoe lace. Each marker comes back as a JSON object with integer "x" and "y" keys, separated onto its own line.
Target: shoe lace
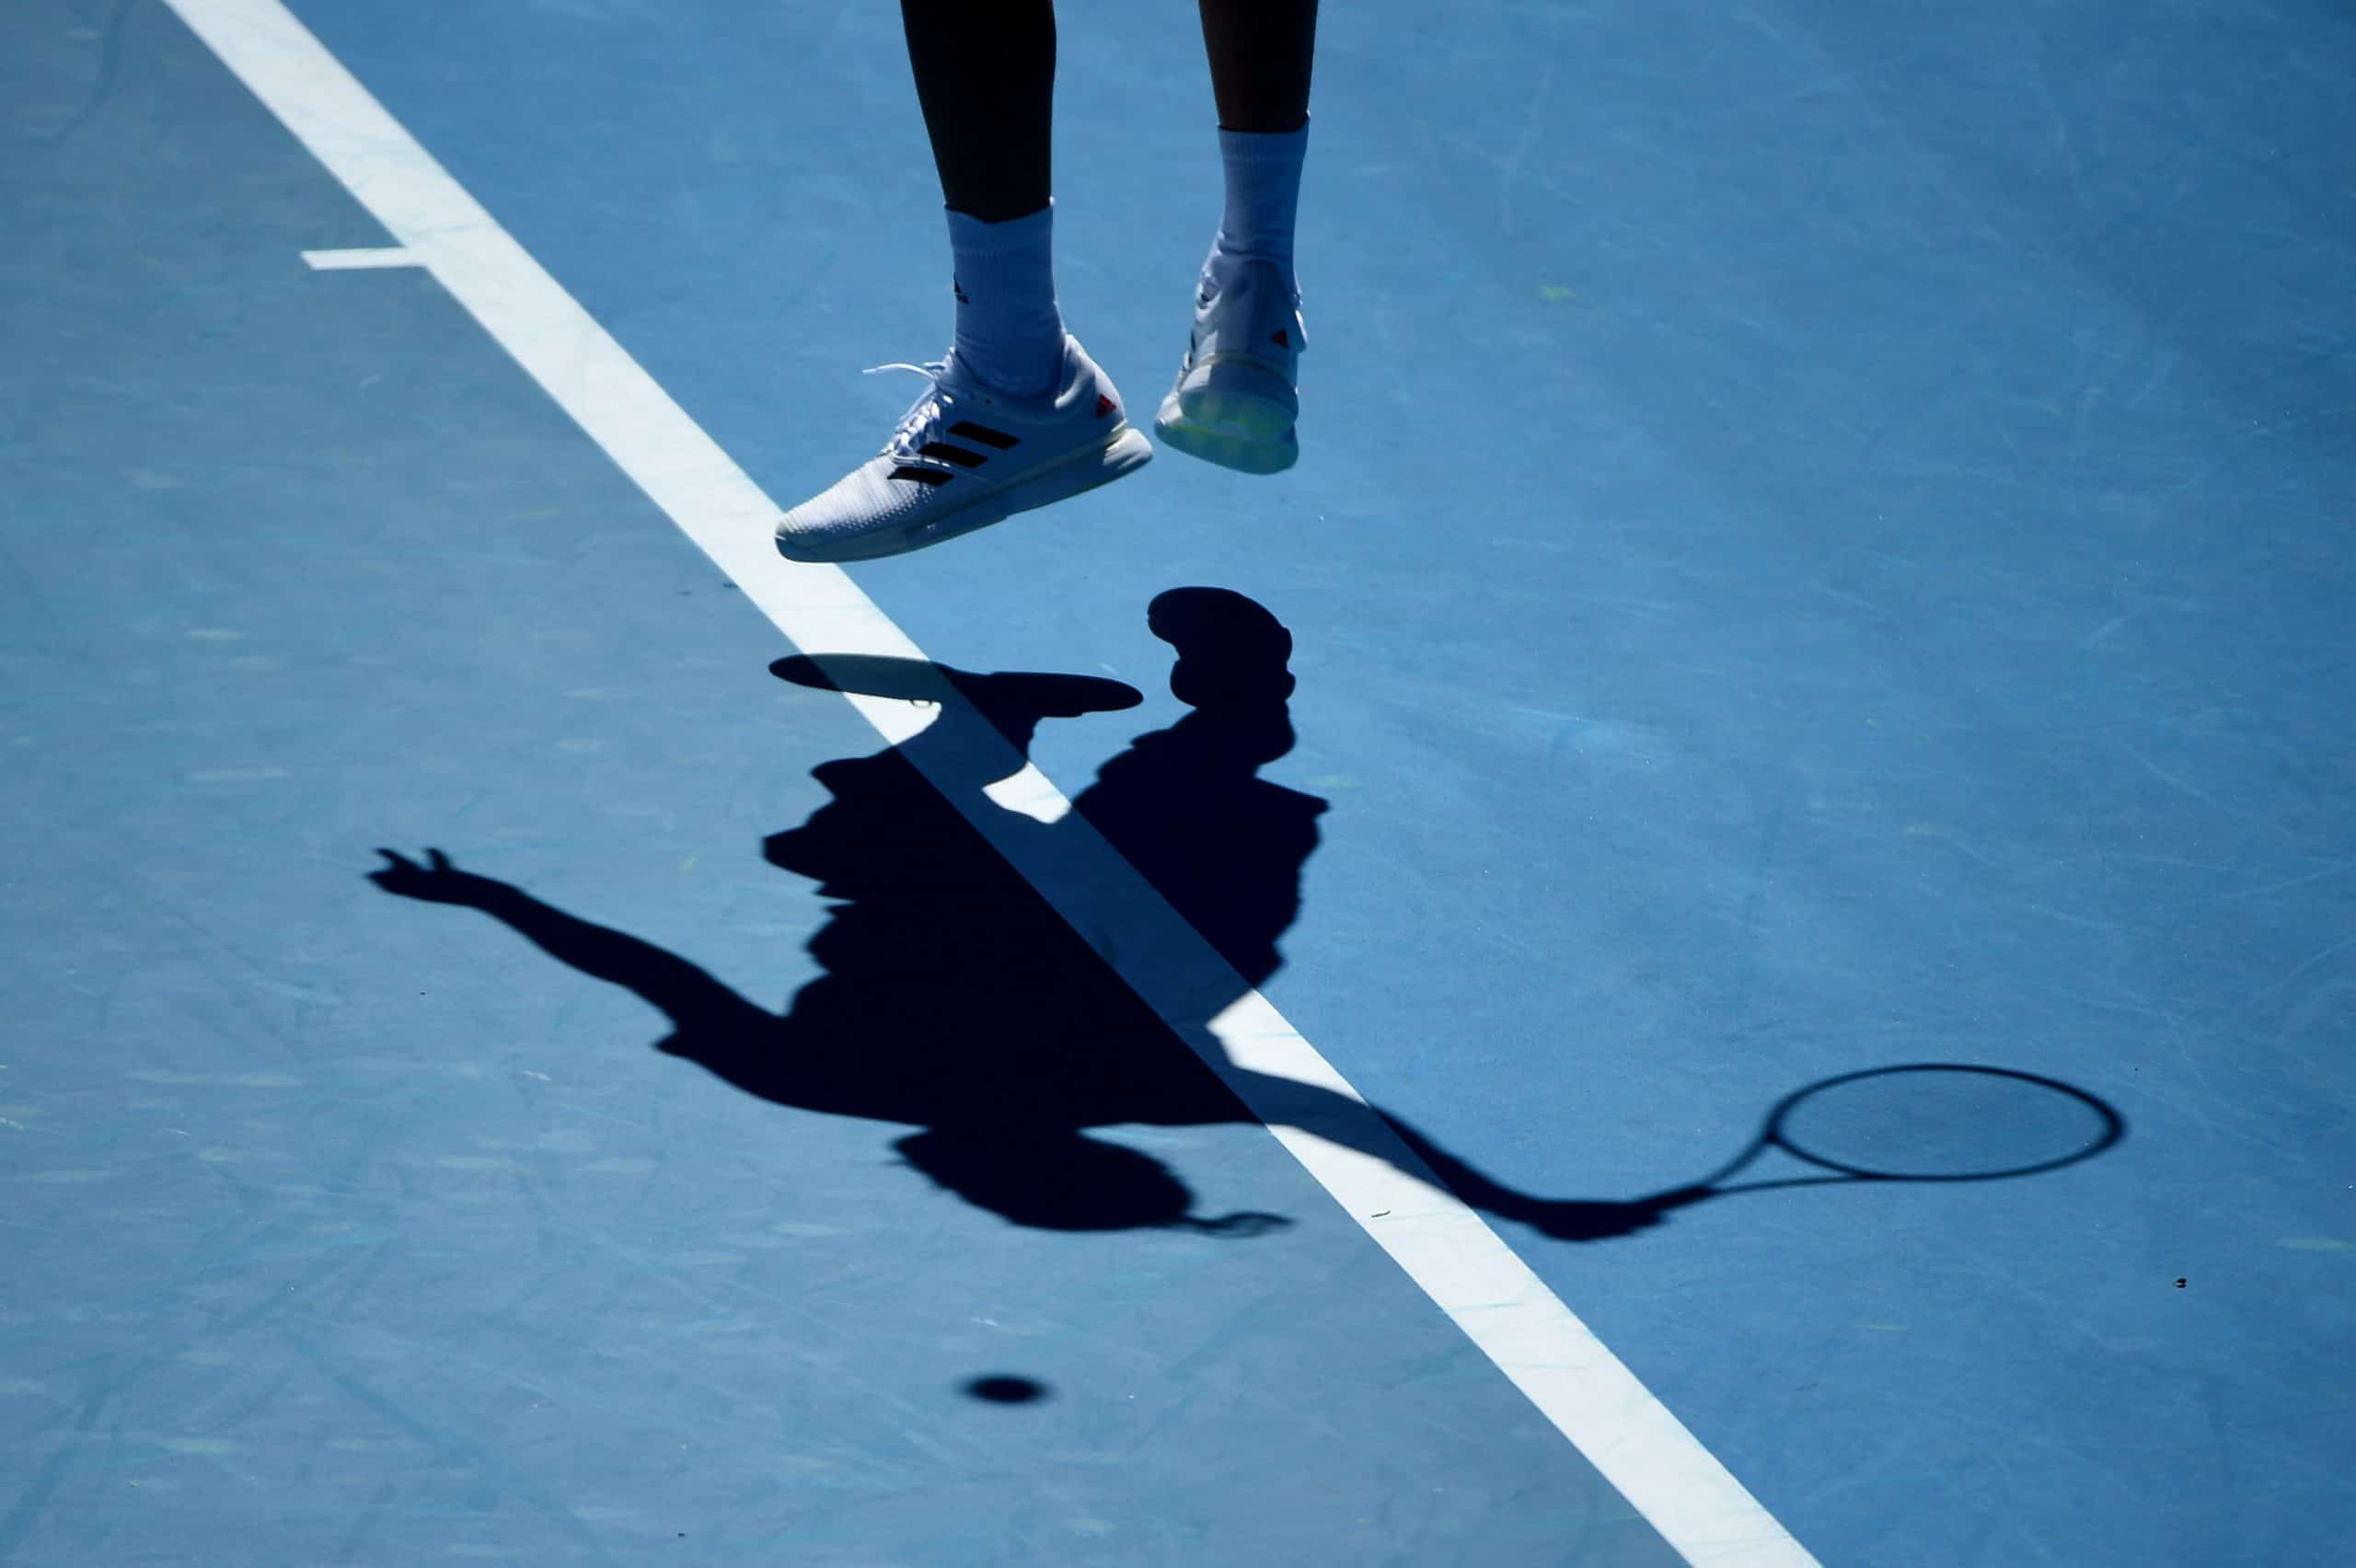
{"x": 923, "y": 418}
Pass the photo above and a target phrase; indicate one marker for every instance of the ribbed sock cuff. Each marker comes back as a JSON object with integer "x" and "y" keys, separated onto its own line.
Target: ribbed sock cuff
{"x": 1009, "y": 331}
{"x": 1262, "y": 195}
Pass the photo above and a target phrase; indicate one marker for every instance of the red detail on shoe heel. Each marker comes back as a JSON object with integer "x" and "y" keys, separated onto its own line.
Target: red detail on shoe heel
{"x": 1105, "y": 405}
{"x": 1280, "y": 340}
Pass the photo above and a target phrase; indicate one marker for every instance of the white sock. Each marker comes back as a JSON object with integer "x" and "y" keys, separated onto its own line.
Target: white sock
{"x": 1262, "y": 195}
{"x": 1010, "y": 334}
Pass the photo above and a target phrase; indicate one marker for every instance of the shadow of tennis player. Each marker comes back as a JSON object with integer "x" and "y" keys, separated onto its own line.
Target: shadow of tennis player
{"x": 954, "y": 1000}
{"x": 957, "y": 1002}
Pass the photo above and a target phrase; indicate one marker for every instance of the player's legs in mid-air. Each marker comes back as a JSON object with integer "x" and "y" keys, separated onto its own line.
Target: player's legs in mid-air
{"x": 1017, "y": 415}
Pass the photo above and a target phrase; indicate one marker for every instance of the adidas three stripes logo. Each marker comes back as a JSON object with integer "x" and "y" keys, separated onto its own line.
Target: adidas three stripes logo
{"x": 962, "y": 458}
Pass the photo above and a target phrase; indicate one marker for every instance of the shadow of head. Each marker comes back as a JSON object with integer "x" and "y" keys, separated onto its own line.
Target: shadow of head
{"x": 1232, "y": 670}
{"x": 1059, "y": 1179}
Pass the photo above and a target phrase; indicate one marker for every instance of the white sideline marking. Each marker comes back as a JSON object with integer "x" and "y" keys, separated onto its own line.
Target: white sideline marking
{"x": 1492, "y": 1296}
{"x": 355, "y": 261}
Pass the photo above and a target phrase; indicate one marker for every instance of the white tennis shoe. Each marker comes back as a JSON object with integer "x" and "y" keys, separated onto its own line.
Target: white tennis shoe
{"x": 1237, "y": 399}
{"x": 966, "y": 456}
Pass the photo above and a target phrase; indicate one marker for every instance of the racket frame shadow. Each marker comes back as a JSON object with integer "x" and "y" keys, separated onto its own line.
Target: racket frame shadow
{"x": 1771, "y": 1135}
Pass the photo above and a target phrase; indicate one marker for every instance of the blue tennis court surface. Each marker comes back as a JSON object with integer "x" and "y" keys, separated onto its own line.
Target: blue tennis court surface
{"x": 1822, "y": 545}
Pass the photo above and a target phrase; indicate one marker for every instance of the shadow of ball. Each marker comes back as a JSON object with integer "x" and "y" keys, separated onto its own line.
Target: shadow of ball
{"x": 1003, "y": 1390}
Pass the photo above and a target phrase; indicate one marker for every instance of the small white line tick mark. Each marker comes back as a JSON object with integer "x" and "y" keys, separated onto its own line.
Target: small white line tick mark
{"x": 355, "y": 260}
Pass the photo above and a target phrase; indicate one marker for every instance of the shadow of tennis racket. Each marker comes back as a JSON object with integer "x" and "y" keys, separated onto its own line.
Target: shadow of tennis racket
{"x": 1924, "y": 1122}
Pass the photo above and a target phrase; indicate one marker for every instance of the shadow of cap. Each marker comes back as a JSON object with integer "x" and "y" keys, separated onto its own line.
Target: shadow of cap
{"x": 1039, "y": 695}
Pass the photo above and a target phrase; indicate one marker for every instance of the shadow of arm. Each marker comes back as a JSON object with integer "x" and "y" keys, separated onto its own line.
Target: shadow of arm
{"x": 1354, "y": 1125}
{"x": 698, "y": 1006}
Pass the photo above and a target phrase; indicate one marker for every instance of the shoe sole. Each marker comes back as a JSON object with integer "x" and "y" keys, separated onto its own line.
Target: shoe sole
{"x": 1239, "y": 414}
{"x": 1124, "y": 452}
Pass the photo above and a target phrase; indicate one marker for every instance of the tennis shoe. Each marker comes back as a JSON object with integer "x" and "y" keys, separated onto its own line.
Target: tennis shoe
{"x": 966, "y": 456}
{"x": 1236, "y": 399}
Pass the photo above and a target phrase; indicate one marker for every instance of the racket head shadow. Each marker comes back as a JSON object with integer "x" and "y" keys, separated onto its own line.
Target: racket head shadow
{"x": 1942, "y": 1121}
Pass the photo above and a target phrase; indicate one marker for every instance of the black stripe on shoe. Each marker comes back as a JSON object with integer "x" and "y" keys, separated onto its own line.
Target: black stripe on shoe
{"x": 921, "y": 475}
{"x": 949, "y": 454}
{"x": 984, "y": 435}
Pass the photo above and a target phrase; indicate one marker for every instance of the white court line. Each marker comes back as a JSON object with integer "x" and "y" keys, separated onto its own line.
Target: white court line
{"x": 1492, "y": 1296}
{"x": 357, "y": 261}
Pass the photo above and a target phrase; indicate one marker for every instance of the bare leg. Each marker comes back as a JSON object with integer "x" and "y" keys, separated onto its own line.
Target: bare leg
{"x": 1260, "y": 54}
{"x": 985, "y": 76}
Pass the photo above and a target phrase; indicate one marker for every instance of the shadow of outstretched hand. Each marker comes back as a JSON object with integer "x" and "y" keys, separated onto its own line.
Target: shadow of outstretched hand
{"x": 437, "y": 882}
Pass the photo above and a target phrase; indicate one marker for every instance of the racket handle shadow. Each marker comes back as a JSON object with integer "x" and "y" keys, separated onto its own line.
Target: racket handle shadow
{"x": 1593, "y": 1220}
{"x": 1583, "y": 1219}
